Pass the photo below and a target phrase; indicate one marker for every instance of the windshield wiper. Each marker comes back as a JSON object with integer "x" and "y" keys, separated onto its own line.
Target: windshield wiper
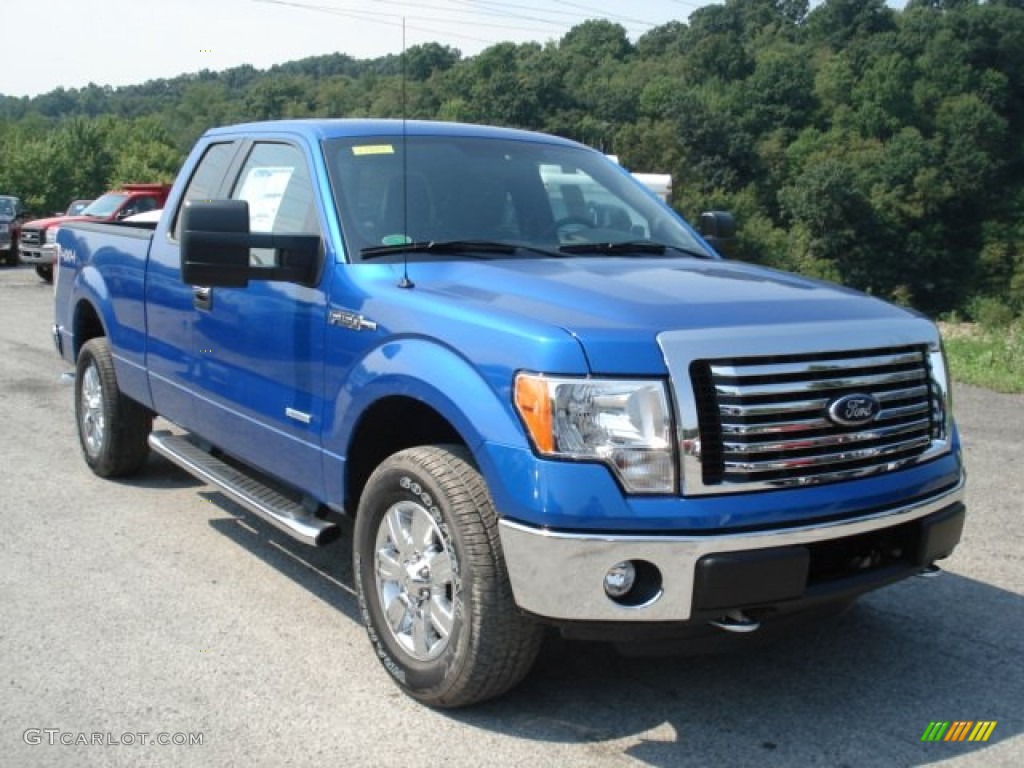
{"x": 631, "y": 246}
{"x": 477, "y": 248}
{"x": 481, "y": 247}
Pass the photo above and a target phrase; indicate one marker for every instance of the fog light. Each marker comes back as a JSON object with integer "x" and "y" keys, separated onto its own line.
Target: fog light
{"x": 619, "y": 579}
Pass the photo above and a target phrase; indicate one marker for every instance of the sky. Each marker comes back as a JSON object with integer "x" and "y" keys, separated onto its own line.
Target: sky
{"x": 70, "y": 43}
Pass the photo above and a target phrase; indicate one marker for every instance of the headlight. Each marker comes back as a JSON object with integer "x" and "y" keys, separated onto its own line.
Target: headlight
{"x": 625, "y": 424}
{"x": 51, "y": 235}
{"x": 942, "y": 396}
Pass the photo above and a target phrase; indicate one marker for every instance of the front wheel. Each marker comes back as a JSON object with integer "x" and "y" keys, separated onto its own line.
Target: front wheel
{"x": 45, "y": 272}
{"x": 433, "y": 589}
{"x": 112, "y": 428}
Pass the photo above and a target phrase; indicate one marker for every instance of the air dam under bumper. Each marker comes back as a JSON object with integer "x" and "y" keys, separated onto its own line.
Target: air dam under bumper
{"x": 560, "y": 576}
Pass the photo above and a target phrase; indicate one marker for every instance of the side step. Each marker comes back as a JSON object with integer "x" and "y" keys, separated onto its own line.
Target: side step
{"x": 285, "y": 514}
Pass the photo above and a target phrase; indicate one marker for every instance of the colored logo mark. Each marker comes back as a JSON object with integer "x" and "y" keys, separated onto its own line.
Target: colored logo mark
{"x": 959, "y": 730}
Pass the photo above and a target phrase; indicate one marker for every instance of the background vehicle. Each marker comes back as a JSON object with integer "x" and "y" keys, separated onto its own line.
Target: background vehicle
{"x": 543, "y": 397}
{"x": 11, "y": 215}
{"x": 36, "y": 242}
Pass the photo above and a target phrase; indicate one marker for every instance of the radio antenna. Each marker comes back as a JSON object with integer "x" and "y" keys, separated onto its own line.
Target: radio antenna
{"x": 405, "y": 282}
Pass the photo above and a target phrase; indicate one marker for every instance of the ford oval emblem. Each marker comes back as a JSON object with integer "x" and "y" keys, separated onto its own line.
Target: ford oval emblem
{"x": 854, "y": 410}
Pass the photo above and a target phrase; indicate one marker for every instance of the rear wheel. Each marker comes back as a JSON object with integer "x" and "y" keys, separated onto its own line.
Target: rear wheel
{"x": 45, "y": 272}
{"x": 112, "y": 428}
{"x": 432, "y": 583}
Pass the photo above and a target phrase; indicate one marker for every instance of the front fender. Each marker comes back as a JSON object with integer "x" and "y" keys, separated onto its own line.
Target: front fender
{"x": 436, "y": 376}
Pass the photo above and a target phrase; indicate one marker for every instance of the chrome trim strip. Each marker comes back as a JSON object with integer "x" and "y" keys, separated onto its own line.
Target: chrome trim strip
{"x": 775, "y": 428}
{"x": 830, "y": 459}
{"x": 770, "y": 409}
{"x": 824, "y": 366}
{"x": 867, "y": 380}
{"x": 561, "y": 575}
{"x": 888, "y": 414}
{"x": 902, "y": 394}
{"x": 843, "y": 438}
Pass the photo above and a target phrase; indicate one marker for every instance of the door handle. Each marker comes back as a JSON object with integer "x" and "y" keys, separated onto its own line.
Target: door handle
{"x": 202, "y": 297}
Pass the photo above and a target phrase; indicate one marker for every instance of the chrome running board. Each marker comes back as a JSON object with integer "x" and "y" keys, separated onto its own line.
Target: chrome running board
{"x": 283, "y": 513}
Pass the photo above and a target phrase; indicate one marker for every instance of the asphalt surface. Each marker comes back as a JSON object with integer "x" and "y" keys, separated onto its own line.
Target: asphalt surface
{"x": 155, "y": 606}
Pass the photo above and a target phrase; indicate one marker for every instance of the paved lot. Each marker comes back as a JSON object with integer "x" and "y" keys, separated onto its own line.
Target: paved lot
{"x": 156, "y": 606}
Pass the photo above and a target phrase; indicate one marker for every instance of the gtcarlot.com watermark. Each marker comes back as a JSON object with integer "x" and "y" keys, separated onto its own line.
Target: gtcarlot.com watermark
{"x": 56, "y": 736}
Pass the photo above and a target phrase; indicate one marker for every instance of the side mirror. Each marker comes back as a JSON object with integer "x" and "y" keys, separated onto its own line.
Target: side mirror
{"x": 214, "y": 247}
{"x": 216, "y": 244}
{"x": 718, "y": 228}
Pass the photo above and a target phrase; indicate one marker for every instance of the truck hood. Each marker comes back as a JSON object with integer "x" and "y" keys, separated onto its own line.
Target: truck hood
{"x": 55, "y": 221}
{"x": 616, "y": 307}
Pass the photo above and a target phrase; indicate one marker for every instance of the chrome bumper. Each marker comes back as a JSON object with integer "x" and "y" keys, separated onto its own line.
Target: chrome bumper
{"x": 561, "y": 575}
{"x": 44, "y": 255}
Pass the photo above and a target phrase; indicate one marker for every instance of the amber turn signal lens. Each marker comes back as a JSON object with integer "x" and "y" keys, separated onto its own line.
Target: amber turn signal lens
{"x": 533, "y": 401}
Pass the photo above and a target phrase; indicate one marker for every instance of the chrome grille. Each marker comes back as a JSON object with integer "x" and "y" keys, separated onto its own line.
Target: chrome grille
{"x": 765, "y": 420}
{"x": 31, "y": 237}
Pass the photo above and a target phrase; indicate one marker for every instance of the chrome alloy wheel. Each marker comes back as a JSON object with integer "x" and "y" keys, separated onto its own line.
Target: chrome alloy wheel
{"x": 415, "y": 580}
{"x": 93, "y": 420}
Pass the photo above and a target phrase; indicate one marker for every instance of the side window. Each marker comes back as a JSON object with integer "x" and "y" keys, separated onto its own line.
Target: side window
{"x": 137, "y": 205}
{"x": 208, "y": 176}
{"x": 276, "y": 183}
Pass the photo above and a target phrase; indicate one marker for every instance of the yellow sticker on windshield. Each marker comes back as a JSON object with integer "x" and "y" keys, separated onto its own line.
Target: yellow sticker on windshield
{"x": 373, "y": 149}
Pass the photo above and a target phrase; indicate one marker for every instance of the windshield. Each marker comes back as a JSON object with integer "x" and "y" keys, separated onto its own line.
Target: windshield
{"x": 104, "y": 207}
{"x": 7, "y": 208}
{"x": 540, "y": 197}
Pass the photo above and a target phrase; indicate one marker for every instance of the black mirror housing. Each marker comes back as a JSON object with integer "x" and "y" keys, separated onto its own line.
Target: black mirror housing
{"x": 718, "y": 228}
{"x": 214, "y": 243}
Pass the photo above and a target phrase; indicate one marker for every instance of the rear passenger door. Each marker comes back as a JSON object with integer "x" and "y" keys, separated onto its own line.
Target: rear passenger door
{"x": 259, "y": 350}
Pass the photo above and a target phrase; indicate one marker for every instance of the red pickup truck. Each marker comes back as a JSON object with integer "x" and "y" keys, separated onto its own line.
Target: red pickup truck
{"x": 37, "y": 243}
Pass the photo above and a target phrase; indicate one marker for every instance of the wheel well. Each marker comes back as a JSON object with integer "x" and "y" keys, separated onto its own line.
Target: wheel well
{"x": 87, "y": 325}
{"x": 388, "y": 426}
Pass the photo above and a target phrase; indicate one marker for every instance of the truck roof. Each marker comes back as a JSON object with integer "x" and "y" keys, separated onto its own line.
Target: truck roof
{"x": 336, "y": 128}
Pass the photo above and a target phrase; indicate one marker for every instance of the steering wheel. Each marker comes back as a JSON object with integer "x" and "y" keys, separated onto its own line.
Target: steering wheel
{"x": 579, "y": 222}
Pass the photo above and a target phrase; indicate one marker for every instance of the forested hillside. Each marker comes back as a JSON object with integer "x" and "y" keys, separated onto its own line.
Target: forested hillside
{"x": 876, "y": 147}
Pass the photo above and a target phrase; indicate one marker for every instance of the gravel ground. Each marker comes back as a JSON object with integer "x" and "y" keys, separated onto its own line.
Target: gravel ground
{"x": 155, "y": 606}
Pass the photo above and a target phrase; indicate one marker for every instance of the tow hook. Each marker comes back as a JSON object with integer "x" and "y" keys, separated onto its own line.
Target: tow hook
{"x": 737, "y": 622}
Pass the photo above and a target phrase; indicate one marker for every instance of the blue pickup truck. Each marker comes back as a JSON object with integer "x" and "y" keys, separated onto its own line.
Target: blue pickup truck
{"x": 544, "y": 399}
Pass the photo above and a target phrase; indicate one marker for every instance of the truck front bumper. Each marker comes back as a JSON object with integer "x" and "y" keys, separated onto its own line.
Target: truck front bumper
{"x": 561, "y": 576}
{"x": 37, "y": 256}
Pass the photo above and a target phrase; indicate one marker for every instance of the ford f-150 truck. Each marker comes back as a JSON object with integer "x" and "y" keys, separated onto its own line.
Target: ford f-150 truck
{"x": 37, "y": 242}
{"x": 542, "y": 396}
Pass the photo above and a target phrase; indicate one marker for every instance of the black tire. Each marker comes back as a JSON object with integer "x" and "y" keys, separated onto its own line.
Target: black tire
{"x": 474, "y": 643}
{"x": 112, "y": 429}
{"x": 45, "y": 272}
